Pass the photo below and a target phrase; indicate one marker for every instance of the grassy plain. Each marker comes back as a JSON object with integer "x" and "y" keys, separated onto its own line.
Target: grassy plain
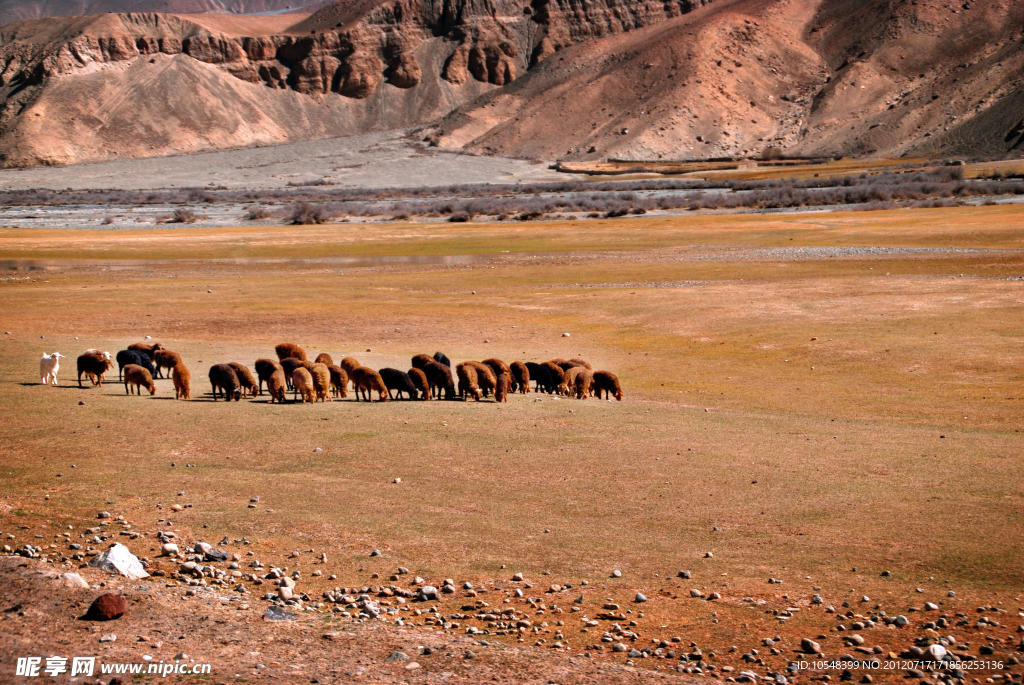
{"x": 795, "y": 409}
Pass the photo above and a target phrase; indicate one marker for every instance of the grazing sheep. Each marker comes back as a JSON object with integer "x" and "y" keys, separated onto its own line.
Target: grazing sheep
{"x": 223, "y": 377}
{"x": 609, "y": 383}
{"x": 581, "y": 362}
{"x": 321, "y": 374}
{"x": 568, "y": 384}
{"x": 126, "y": 357}
{"x": 182, "y": 382}
{"x": 558, "y": 360}
{"x": 501, "y": 390}
{"x": 349, "y": 363}
{"x": 94, "y": 366}
{"x": 468, "y": 381}
{"x": 265, "y": 368}
{"x": 148, "y": 348}
{"x": 441, "y": 358}
{"x": 302, "y": 382}
{"x": 541, "y": 375}
{"x": 285, "y": 350}
{"x": 138, "y": 376}
{"x": 498, "y": 367}
{"x": 419, "y": 379}
{"x": 94, "y": 351}
{"x": 485, "y": 378}
{"x": 520, "y": 377}
{"x": 276, "y": 385}
{"x": 584, "y": 383}
{"x": 339, "y": 381}
{"x": 307, "y": 365}
{"x": 289, "y": 364}
{"x": 438, "y": 375}
{"x": 557, "y": 375}
{"x": 165, "y": 359}
{"x": 400, "y": 382}
{"x": 325, "y": 359}
{"x": 245, "y": 379}
{"x": 366, "y": 381}
{"x": 49, "y": 365}
{"x": 566, "y": 365}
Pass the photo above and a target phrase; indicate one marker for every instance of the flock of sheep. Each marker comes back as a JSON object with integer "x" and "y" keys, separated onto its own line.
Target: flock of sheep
{"x": 322, "y": 380}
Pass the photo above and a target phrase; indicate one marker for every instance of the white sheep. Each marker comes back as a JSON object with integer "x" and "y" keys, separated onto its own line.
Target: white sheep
{"x": 49, "y": 365}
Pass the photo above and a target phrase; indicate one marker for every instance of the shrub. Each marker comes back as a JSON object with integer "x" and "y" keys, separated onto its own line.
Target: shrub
{"x": 306, "y": 213}
{"x": 183, "y": 215}
{"x": 257, "y": 212}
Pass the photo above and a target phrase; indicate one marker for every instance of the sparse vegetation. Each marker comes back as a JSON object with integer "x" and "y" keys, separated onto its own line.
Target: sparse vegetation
{"x": 257, "y": 212}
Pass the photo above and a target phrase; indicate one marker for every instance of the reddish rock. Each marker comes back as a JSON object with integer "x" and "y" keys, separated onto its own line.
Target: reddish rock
{"x": 107, "y": 608}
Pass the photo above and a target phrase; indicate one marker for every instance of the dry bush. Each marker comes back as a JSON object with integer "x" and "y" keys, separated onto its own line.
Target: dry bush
{"x": 257, "y": 212}
{"x": 305, "y": 213}
{"x": 183, "y": 215}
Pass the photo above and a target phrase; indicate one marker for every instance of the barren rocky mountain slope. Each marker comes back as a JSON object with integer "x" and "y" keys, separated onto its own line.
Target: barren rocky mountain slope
{"x": 547, "y": 78}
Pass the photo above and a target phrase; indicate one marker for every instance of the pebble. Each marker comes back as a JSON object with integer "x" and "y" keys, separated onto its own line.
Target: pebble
{"x": 714, "y": 595}
{"x": 951, "y": 594}
{"x": 566, "y": 335}
{"x": 929, "y": 606}
{"x": 375, "y": 553}
{"x": 708, "y": 555}
{"x": 696, "y": 593}
{"x": 619, "y": 647}
{"x": 616, "y": 573}
{"x": 108, "y": 638}
{"x": 517, "y": 577}
{"x": 865, "y": 598}
{"x": 398, "y": 656}
{"x": 285, "y": 593}
{"x": 402, "y": 570}
{"x": 809, "y": 646}
{"x": 73, "y": 580}
{"x": 817, "y": 599}
{"x": 412, "y": 666}
{"x": 107, "y": 607}
{"x": 397, "y": 480}
{"x": 103, "y": 515}
{"x": 683, "y": 574}
{"x": 317, "y": 450}
{"x": 169, "y": 548}
{"x": 467, "y": 586}
{"x": 428, "y": 592}
{"x": 902, "y": 620}
{"x": 255, "y": 498}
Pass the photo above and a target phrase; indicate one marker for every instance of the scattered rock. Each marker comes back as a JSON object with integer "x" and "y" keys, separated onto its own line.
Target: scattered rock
{"x": 412, "y": 666}
{"x": 375, "y": 553}
{"x": 285, "y": 593}
{"x": 935, "y": 653}
{"x": 108, "y": 638}
{"x": 929, "y": 606}
{"x": 398, "y": 656}
{"x": 103, "y": 515}
{"x": 616, "y": 573}
{"x": 73, "y": 580}
{"x": 809, "y": 646}
{"x": 902, "y": 620}
{"x": 517, "y": 577}
{"x": 278, "y": 614}
{"x": 696, "y": 593}
{"x": 169, "y": 548}
{"x": 566, "y": 335}
{"x": 118, "y": 559}
{"x": 619, "y": 647}
{"x": 428, "y": 592}
{"x": 683, "y": 574}
{"x": 106, "y": 607}
{"x": 708, "y": 555}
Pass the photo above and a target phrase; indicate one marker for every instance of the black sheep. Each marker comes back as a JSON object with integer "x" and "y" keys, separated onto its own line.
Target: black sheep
{"x": 400, "y": 382}
{"x": 541, "y": 374}
{"x": 223, "y": 377}
{"x": 440, "y": 357}
{"x": 137, "y": 357}
{"x": 438, "y": 375}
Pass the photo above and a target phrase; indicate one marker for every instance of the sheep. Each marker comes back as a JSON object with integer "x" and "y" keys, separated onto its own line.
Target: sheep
{"x": 325, "y": 359}
{"x": 441, "y": 358}
{"x": 566, "y": 365}
{"x": 245, "y": 379}
{"x": 485, "y": 377}
{"x": 289, "y": 364}
{"x": 321, "y": 374}
{"x": 182, "y": 381}
{"x": 419, "y": 379}
{"x": 557, "y": 375}
{"x": 609, "y": 383}
{"x": 559, "y": 361}
{"x": 136, "y": 357}
{"x": 541, "y": 375}
{"x": 520, "y": 377}
{"x": 94, "y": 366}
{"x": 339, "y": 381}
{"x": 498, "y": 367}
{"x": 438, "y": 375}
{"x": 400, "y": 382}
{"x": 138, "y": 376}
{"x": 584, "y": 383}
{"x": 349, "y": 363}
{"x": 94, "y": 351}
{"x": 276, "y": 385}
{"x": 581, "y": 362}
{"x": 285, "y": 350}
{"x": 165, "y": 359}
{"x": 568, "y": 385}
{"x": 265, "y": 368}
{"x": 302, "y": 382}
{"x": 49, "y": 365}
{"x": 468, "y": 381}
{"x": 149, "y": 348}
{"x": 223, "y": 377}
{"x": 501, "y": 390}
{"x": 366, "y": 381}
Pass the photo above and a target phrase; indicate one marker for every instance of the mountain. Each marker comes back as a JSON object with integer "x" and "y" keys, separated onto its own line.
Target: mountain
{"x": 17, "y": 10}
{"x": 554, "y": 79}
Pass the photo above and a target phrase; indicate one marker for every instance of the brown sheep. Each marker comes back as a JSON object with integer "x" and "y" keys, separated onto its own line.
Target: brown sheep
{"x": 325, "y": 359}
{"x": 94, "y": 366}
{"x": 322, "y": 382}
{"x": 419, "y": 379}
{"x": 566, "y": 365}
{"x": 498, "y": 367}
{"x": 581, "y": 362}
{"x": 568, "y": 385}
{"x": 366, "y": 381}
{"x": 289, "y": 364}
{"x": 276, "y": 385}
{"x": 609, "y": 383}
{"x": 285, "y": 350}
{"x": 485, "y": 378}
{"x": 339, "y": 381}
{"x": 265, "y": 368}
{"x": 557, "y": 374}
{"x": 302, "y": 382}
{"x": 223, "y": 377}
{"x": 520, "y": 377}
{"x": 584, "y": 383}
{"x": 559, "y": 361}
{"x": 468, "y": 381}
{"x": 438, "y": 375}
{"x": 245, "y": 379}
{"x": 165, "y": 359}
{"x": 349, "y": 363}
{"x": 182, "y": 382}
{"x": 138, "y": 376}
{"x": 501, "y": 390}
{"x": 148, "y": 348}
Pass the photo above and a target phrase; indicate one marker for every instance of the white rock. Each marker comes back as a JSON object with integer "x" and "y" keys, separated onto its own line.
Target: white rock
{"x": 73, "y": 580}
{"x": 118, "y": 559}
{"x": 566, "y": 335}
{"x": 935, "y": 653}
{"x": 169, "y": 548}
{"x": 285, "y": 593}
{"x": 203, "y": 547}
